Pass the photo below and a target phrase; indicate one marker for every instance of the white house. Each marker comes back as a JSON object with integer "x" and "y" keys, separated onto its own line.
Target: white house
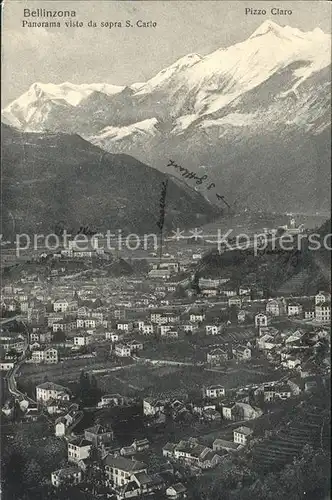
{"x": 189, "y": 327}
{"x": 147, "y": 329}
{"x": 135, "y": 345}
{"x": 82, "y": 312}
{"x": 82, "y": 340}
{"x": 161, "y": 317}
{"x": 240, "y": 411}
{"x": 113, "y": 337}
{"x": 68, "y": 475}
{"x": 309, "y": 313}
{"x": 294, "y": 309}
{"x": 197, "y": 317}
{"x": 176, "y": 491}
{"x": 322, "y": 297}
{"x": 275, "y": 307}
{"x": 210, "y": 292}
{"x": 292, "y": 362}
{"x": 78, "y": 449}
{"x": 123, "y": 326}
{"x": 152, "y": 407}
{"x": 213, "y": 329}
{"x": 227, "y": 410}
{"x": 241, "y": 352}
{"x": 122, "y": 350}
{"x": 58, "y": 325}
{"x": 215, "y": 391}
{"x": 260, "y": 320}
{"x": 60, "y": 305}
{"x": 241, "y": 434}
{"x": 49, "y": 390}
{"x": 323, "y": 312}
{"x": 120, "y": 470}
{"x": 48, "y": 355}
{"x": 60, "y": 427}
{"x": 86, "y": 322}
{"x": 40, "y": 337}
{"x": 163, "y": 329}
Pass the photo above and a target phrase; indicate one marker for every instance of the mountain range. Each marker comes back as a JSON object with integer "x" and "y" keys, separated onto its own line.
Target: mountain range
{"x": 52, "y": 181}
{"x": 254, "y": 117}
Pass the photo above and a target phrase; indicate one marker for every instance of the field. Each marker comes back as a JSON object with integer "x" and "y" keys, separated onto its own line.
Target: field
{"x": 177, "y": 381}
{"x": 192, "y": 348}
{"x": 68, "y": 370}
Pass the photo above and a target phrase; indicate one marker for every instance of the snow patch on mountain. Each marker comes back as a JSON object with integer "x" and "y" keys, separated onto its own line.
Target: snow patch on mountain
{"x": 137, "y": 86}
{"x": 143, "y": 128}
{"x": 183, "y": 122}
{"x": 234, "y": 119}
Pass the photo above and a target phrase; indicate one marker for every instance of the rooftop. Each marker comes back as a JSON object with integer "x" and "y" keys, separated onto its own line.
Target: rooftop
{"x": 125, "y": 464}
{"x": 98, "y": 429}
{"x": 51, "y": 386}
{"x": 243, "y": 430}
{"x": 79, "y": 441}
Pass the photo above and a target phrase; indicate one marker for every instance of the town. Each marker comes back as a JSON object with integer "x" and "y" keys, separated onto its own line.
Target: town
{"x": 146, "y": 378}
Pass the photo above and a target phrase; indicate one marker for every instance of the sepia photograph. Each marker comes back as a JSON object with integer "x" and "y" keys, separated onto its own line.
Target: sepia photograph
{"x": 165, "y": 244}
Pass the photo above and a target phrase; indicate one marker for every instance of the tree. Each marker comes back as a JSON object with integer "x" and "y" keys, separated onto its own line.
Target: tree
{"x": 32, "y": 473}
{"x": 180, "y": 292}
{"x": 84, "y": 386}
{"x": 88, "y": 390}
{"x": 195, "y": 284}
{"x": 95, "y": 471}
{"x": 321, "y": 352}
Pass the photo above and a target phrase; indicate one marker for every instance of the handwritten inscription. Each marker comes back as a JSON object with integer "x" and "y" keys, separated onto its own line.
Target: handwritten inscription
{"x": 187, "y": 174}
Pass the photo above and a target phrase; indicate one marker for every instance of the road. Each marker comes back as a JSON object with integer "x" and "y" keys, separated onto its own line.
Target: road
{"x": 11, "y": 381}
{"x": 9, "y": 320}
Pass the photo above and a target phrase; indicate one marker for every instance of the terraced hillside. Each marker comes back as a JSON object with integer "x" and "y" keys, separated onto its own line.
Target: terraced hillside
{"x": 310, "y": 426}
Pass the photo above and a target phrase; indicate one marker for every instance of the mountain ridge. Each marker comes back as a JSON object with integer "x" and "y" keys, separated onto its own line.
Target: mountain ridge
{"x": 232, "y": 111}
{"x": 47, "y": 178}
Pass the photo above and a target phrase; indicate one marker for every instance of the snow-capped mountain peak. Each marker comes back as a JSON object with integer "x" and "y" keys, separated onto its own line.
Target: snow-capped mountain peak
{"x": 167, "y": 75}
{"x": 287, "y": 32}
{"x": 71, "y": 93}
{"x": 182, "y": 93}
{"x": 267, "y": 27}
{"x": 31, "y": 109}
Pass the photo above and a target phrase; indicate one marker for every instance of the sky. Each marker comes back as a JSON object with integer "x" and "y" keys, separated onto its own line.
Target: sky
{"x": 122, "y": 56}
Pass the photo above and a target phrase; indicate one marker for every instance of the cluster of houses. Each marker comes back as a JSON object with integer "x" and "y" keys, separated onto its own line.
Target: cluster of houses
{"x": 125, "y": 476}
{"x": 76, "y": 325}
{"x": 94, "y": 312}
{"x": 292, "y": 349}
{"x": 192, "y": 453}
{"x": 317, "y": 308}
